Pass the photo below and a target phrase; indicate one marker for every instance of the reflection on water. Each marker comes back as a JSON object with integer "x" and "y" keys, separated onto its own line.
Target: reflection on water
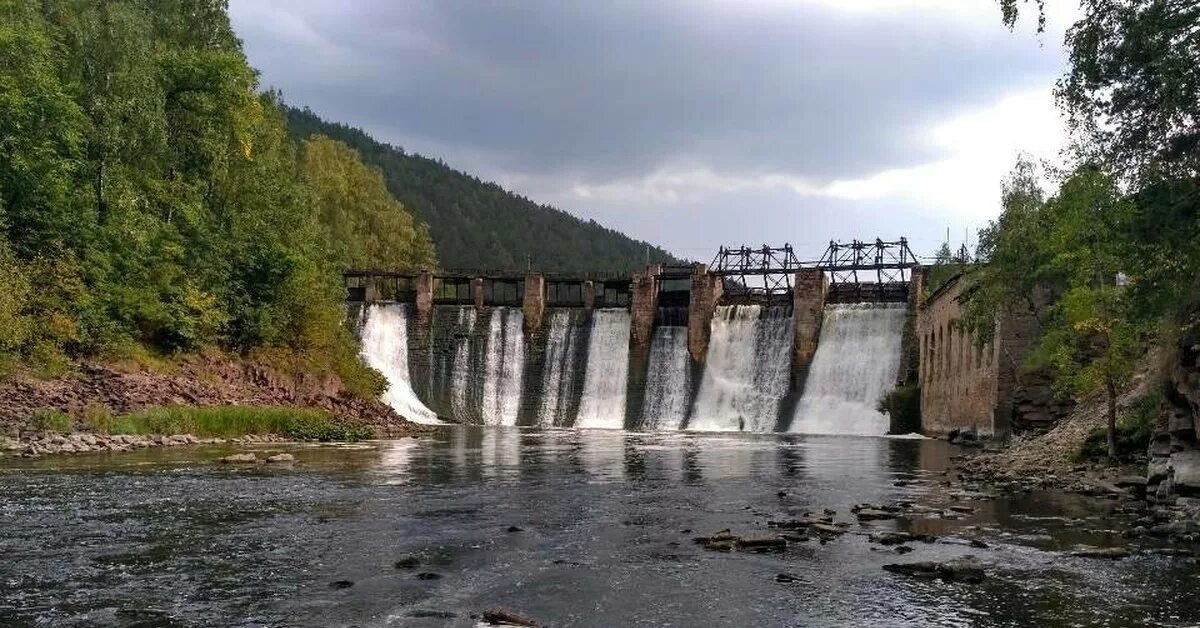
{"x": 603, "y": 525}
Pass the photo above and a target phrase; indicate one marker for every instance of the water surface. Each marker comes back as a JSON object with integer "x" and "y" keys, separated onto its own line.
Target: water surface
{"x": 172, "y": 538}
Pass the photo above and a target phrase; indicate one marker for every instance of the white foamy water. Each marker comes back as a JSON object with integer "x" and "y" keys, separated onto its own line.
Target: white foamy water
{"x": 385, "y": 348}
{"x": 747, "y": 371}
{"x": 504, "y": 364}
{"x": 460, "y": 375}
{"x": 856, "y": 363}
{"x": 557, "y": 375}
{"x": 668, "y": 380}
{"x": 604, "y": 381}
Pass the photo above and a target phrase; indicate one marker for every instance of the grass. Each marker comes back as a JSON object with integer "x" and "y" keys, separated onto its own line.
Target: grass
{"x": 51, "y": 420}
{"x": 232, "y": 421}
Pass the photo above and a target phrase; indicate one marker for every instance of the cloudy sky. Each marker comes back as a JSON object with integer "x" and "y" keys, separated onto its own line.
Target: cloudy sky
{"x": 691, "y": 124}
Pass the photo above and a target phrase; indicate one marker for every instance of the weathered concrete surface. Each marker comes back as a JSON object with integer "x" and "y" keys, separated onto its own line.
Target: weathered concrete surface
{"x": 589, "y": 295}
{"x": 533, "y": 306}
{"x": 808, "y": 312}
{"x": 643, "y": 308}
{"x": 706, "y": 294}
{"x": 477, "y": 294}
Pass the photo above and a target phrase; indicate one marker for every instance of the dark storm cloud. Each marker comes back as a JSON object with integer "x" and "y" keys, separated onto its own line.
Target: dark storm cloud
{"x": 598, "y": 91}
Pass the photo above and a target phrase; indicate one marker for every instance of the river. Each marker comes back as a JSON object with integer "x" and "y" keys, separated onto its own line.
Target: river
{"x": 573, "y": 527}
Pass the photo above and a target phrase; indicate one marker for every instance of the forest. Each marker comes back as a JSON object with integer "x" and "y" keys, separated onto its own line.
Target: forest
{"x": 479, "y": 225}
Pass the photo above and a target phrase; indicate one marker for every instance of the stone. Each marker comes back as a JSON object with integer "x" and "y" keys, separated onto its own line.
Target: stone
{"x": 1186, "y": 465}
{"x": 963, "y": 569}
{"x": 506, "y": 617}
{"x": 903, "y": 549}
{"x": 515, "y": 529}
{"x": 240, "y": 458}
{"x": 826, "y": 530}
{"x": 407, "y": 561}
{"x": 978, "y": 544}
{"x": 896, "y": 538}
{"x": 790, "y": 578}
{"x": 874, "y": 514}
{"x": 341, "y": 584}
{"x": 1132, "y": 481}
{"x": 281, "y": 458}
{"x": 1111, "y": 553}
{"x": 429, "y": 575}
{"x": 762, "y": 544}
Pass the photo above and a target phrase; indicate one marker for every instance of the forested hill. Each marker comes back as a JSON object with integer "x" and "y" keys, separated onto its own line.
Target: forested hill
{"x": 476, "y": 224}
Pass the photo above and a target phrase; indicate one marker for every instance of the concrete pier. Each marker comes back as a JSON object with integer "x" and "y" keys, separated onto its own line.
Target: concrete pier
{"x": 643, "y": 308}
{"x": 808, "y": 312}
{"x": 706, "y": 295}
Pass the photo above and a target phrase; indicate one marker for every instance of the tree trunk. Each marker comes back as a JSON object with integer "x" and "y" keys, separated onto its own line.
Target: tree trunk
{"x": 1111, "y": 389}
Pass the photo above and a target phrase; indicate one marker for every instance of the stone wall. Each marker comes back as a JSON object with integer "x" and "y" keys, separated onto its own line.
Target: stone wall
{"x": 643, "y": 309}
{"x": 706, "y": 295}
{"x": 960, "y": 384}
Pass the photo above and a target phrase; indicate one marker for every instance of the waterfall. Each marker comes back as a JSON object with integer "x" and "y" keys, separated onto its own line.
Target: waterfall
{"x": 668, "y": 380}
{"x": 503, "y": 367}
{"x": 558, "y": 374}
{"x": 460, "y": 377}
{"x": 604, "y": 381}
{"x": 747, "y": 371}
{"x": 855, "y": 365}
{"x": 385, "y": 348}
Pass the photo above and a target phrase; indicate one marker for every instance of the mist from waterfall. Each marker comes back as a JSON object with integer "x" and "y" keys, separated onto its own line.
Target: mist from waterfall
{"x": 504, "y": 364}
{"x": 606, "y": 377}
{"x": 856, "y": 363}
{"x": 668, "y": 380}
{"x": 385, "y": 348}
{"x": 748, "y": 369}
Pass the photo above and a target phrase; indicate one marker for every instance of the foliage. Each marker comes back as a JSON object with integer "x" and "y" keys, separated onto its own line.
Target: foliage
{"x": 481, "y": 225}
{"x": 902, "y": 404}
{"x": 946, "y": 266}
{"x": 231, "y": 421}
{"x": 1133, "y": 433}
{"x": 152, "y": 201}
{"x": 51, "y": 420}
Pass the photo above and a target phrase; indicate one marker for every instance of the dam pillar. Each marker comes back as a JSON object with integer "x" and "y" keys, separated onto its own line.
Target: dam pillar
{"x": 533, "y": 304}
{"x": 643, "y": 309}
{"x": 477, "y": 294}
{"x": 589, "y": 295}
{"x": 706, "y": 294}
{"x": 421, "y": 335}
{"x": 808, "y": 311}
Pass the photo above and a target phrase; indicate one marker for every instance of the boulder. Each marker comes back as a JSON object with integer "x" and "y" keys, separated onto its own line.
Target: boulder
{"x": 1186, "y": 465}
{"x": 963, "y": 569}
{"x": 240, "y": 458}
{"x": 280, "y": 458}
{"x": 506, "y": 617}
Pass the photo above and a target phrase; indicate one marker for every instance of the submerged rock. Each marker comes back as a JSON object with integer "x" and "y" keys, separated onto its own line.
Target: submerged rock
{"x": 1111, "y": 553}
{"x": 407, "y": 562}
{"x": 429, "y": 575}
{"x": 964, "y": 569}
{"x": 281, "y": 458}
{"x": 506, "y": 617}
{"x": 341, "y": 584}
{"x": 896, "y": 538}
{"x": 790, "y": 578}
{"x": 240, "y": 458}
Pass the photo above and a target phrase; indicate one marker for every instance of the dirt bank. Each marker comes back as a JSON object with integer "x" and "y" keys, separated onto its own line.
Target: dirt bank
{"x": 203, "y": 380}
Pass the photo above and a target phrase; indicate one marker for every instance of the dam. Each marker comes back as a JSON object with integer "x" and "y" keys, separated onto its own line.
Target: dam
{"x": 757, "y": 341}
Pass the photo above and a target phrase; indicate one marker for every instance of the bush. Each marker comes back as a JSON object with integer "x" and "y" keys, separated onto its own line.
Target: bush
{"x": 903, "y": 407}
{"x": 52, "y": 420}
{"x": 1134, "y": 429}
{"x": 231, "y": 421}
{"x": 97, "y": 418}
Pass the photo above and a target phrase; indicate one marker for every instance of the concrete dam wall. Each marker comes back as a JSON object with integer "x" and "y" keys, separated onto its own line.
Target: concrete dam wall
{"x": 664, "y": 349}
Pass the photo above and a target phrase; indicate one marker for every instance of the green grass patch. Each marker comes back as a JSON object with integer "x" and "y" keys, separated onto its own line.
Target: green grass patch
{"x": 51, "y": 420}
{"x": 232, "y": 421}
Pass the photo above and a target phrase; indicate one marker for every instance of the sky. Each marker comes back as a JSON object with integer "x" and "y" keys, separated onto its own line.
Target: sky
{"x": 692, "y": 124}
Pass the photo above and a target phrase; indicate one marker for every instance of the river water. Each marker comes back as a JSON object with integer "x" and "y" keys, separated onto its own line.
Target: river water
{"x": 173, "y": 538}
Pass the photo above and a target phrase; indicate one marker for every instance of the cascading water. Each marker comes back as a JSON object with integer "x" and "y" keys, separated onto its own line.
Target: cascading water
{"x": 748, "y": 369}
{"x": 385, "y": 348}
{"x": 558, "y": 375}
{"x": 461, "y": 370}
{"x": 668, "y": 380}
{"x": 855, "y": 365}
{"x": 604, "y": 382}
{"x": 503, "y": 365}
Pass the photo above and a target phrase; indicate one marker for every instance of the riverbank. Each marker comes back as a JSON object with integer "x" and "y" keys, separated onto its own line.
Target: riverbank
{"x": 200, "y": 398}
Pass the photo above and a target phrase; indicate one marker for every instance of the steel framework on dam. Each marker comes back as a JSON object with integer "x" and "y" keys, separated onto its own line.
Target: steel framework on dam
{"x": 858, "y": 270}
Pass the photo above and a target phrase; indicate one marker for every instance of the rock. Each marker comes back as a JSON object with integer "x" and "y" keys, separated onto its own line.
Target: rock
{"x": 341, "y": 584}
{"x": 789, "y": 578}
{"x": 1186, "y": 465}
{"x": 407, "y": 562}
{"x": 515, "y": 529}
{"x": 826, "y": 530}
{"x": 1111, "y": 553}
{"x": 977, "y": 543}
{"x": 964, "y": 569}
{"x": 1132, "y": 481}
{"x": 280, "y": 458}
{"x": 794, "y": 538}
{"x": 240, "y": 458}
{"x": 873, "y": 514}
{"x": 1171, "y": 551}
{"x": 762, "y": 544}
{"x": 963, "y": 509}
{"x": 896, "y": 538}
{"x": 903, "y": 549}
{"x": 506, "y": 617}
{"x": 432, "y": 614}
{"x": 781, "y": 494}
{"x": 429, "y": 575}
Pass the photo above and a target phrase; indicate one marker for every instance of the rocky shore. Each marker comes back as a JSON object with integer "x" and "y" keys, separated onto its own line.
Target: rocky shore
{"x": 201, "y": 381}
